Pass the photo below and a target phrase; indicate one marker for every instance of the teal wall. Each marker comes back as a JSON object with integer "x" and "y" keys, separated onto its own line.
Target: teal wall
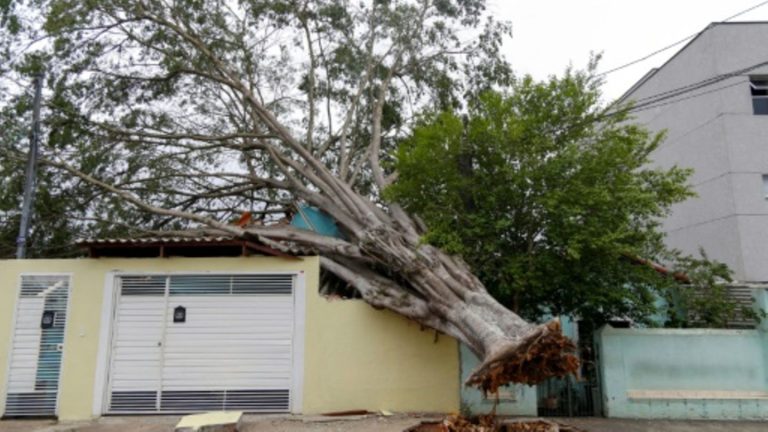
{"x": 716, "y": 374}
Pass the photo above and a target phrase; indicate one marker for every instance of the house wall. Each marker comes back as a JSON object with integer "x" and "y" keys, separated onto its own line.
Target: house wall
{"x": 355, "y": 357}
{"x": 683, "y": 373}
{"x": 714, "y": 131}
{"x": 361, "y": 358}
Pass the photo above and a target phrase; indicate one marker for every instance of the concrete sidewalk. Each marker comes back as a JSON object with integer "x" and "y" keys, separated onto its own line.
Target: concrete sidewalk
{"x": 596, "y": 424}
{"x": 397, "y": 423}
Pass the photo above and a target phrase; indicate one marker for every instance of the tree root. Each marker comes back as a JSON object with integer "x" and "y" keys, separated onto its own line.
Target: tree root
{"x": 542, "y": 354}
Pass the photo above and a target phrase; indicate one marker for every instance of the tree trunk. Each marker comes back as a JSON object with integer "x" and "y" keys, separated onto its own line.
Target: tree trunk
{"x": 450, "y": 299}
{"x": 385, "y": 259}
{"x": 440, "y": 291}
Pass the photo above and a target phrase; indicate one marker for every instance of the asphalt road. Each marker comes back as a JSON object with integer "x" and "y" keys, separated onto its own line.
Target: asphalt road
{"x": 395, "y": 423}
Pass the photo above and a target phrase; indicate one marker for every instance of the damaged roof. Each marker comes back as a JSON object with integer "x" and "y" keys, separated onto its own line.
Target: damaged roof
{"x": 186, "y": 243}
{"x": 150, "y": 240}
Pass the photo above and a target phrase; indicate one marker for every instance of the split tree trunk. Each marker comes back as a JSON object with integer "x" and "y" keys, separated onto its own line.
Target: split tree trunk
{"x": 384, "y": 258}
{"x": 392, "y": 268}
{"x": 441, "y": 292}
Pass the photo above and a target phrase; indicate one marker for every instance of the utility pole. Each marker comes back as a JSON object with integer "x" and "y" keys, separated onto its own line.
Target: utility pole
{"x": 31, "y": 177}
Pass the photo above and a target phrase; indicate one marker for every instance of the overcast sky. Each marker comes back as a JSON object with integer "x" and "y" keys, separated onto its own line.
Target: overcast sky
{"x": 550, "y": 34}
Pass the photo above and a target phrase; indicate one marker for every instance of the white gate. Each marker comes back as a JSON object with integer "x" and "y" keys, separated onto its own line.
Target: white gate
{"x": 38, "y": 341}
{"x": 191, "y": 343}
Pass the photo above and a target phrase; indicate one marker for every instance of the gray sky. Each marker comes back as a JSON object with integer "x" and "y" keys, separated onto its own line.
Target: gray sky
{"x": 550, "y": 34}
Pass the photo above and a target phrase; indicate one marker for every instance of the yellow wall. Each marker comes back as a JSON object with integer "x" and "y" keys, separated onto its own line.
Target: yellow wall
{"x": 355, "y": 357}
{"x": 8, "y": 292}
{"x": 360, "y": 358}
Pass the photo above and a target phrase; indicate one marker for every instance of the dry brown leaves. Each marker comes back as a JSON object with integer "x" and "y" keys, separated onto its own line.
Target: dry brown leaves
{"x": 455, "y": 423}
{"x": 490, "y": 423}
{"x": 536, "y": 426}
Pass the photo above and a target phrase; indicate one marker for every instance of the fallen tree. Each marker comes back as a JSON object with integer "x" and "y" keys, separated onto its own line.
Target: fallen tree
{"x": 192, "y": 110}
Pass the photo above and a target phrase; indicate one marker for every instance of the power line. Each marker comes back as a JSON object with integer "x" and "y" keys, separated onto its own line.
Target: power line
{"x": 634, "y": 62}
{"x": 693, "y": 86}
{"x": 679, "y": 91}
{"x": 687, "y": 38}
{"x": 744, "y": 11}
{"x": 653, "y": 100}
{"x": 651, "y": 106}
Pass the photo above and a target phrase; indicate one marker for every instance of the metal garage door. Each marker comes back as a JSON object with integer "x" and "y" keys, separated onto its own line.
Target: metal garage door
{"x": 202, "y": 342}
{"x": 38, "y": 340}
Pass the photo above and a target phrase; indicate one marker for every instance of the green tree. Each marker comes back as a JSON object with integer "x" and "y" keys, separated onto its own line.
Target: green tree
{"x": 547, "y": 194}
{"x": 190, "y": 110}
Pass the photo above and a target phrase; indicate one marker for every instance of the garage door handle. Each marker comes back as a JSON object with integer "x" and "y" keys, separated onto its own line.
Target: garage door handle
{"x": 159, "y": 344}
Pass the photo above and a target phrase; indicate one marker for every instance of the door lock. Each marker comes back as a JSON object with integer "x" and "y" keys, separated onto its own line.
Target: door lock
{"x": 48, "y": 319}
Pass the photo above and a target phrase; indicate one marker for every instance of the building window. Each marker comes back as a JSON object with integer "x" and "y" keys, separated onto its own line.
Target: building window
{"x": 759, "y": 90}
{"x": 765, "y": 186}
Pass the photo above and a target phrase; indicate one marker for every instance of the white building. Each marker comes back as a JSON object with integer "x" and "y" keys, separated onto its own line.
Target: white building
{"x": 712, "y": 99}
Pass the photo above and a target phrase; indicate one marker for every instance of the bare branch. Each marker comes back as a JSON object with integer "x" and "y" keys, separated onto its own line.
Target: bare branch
{"x": 310, "y": 78}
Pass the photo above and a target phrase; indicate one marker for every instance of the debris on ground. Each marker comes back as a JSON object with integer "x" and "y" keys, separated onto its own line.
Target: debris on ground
{"x": 331, "y": 419}
{"x": 217, "y": 421}
{"x": 536, "y": 425}
{"x": 483, "y": 423}
{"x": 336, "y": 416}
{"x": 347, "y": 413}
{"x": 490, "y": 423}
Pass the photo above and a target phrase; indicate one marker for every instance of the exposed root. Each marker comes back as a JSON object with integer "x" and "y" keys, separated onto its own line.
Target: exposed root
{"x": 489, "y": 423}
{"x": 543, "y": 354}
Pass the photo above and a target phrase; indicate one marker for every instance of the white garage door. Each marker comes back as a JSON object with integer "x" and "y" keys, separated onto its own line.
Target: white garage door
{"x": 202, "y": 342}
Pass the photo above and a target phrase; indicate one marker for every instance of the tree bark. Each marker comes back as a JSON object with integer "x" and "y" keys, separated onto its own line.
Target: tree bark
{"x": 442, "y": 293}
{"x": 384, "y": 258}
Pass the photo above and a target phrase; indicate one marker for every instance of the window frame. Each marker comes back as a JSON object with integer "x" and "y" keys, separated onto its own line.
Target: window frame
{"x": 758, "y": 90}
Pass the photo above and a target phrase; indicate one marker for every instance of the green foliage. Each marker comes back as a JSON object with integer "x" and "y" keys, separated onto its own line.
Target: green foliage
{"x": 65, "y": 209}
{"x": 546, "y": 196}
{"x": 136, "y": 95}
{"x": 51, "y": 233}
